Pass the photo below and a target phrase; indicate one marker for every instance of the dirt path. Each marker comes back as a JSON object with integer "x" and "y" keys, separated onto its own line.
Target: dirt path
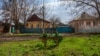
{"x": 35, "y": 37}
{"x": 16, "y": 38}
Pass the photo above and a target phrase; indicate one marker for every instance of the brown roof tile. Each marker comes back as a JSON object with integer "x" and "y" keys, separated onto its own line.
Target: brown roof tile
{"x": 85, "y": 16}
{"x": 34, "y": 17}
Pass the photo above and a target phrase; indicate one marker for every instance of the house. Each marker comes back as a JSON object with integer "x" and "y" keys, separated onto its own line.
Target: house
{"x": 61, "y": 24}
{"x": 36, "y": 22}
{"x": 86, "y": 23}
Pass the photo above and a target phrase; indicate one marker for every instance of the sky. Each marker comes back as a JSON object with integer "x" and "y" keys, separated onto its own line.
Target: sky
{"x": 65, "y": 14}
{"x": 58, "y": 9}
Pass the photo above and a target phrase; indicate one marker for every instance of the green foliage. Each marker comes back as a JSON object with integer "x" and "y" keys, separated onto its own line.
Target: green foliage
{"x": 56, "y": 38}
{"x": 39, "y": 46}
{"x": 50, "y": 44}
{"x": 69, "y": 46}
{"x": 44, "y": 35}
{"x": 56, "y": 35}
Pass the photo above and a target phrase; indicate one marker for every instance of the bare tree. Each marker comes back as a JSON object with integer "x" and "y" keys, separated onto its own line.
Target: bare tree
{"x": 22, "y": 9}
{"x": 28, "y": 8}
{"x": 87, "y": 5}
{"x": 44, "y": 13}
{"x": 18, "y": 10}
{"x": 12, "y": 7}
{"x": 55, "y": 21}
{"x": 6, "y": 11}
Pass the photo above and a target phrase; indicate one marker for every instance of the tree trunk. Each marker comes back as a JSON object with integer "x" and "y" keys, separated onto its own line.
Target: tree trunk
{"x": 10, "y": 29}
{"x": 17, "y": 26}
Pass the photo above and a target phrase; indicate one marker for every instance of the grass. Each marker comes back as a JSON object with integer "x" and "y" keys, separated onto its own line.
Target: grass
{"x": 69, "y": 46}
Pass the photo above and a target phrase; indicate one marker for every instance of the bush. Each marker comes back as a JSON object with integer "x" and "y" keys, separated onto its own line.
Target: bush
{"x": 57, "y": 35}
{"x": 44, "y": 35}
{"x": 54, "y": 37}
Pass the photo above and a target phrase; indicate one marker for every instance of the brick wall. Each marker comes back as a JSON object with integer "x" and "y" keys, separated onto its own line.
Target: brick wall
{"x": 37, "y": 24}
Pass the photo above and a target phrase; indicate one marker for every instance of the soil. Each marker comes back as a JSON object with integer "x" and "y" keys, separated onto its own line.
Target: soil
{"x": 35, "y": 37}
{"x": 17, "y": 38}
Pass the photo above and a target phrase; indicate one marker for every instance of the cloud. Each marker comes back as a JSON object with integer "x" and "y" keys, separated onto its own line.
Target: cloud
{"x": 59, "y": 9}
{"x": 58, "y": 3}
{"x": 53, "y": 4}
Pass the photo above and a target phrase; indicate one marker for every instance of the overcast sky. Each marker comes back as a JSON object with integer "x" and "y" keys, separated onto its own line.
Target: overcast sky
{"x": 64, "y": 14}
{"x": 58, "y": 9}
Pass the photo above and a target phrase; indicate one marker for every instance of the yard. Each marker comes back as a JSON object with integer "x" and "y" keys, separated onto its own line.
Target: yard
{"x": 69, "y": 46}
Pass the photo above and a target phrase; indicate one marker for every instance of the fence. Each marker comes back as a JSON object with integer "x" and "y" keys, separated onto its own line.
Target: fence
{"x": 65, "y": 29}
{"x": 47, "y": 30}
{"x": 90, "y": 30}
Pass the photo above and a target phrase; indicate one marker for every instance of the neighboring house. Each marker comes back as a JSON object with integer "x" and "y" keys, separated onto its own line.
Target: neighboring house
{"x": 35, "y": 22}
{"x": 61, "y": 25}
{"x": 86, "y": 24}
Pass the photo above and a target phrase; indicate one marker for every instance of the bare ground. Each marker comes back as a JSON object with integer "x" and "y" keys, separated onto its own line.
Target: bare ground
{"x": 35, "y": 37}
{"x": 17, "y": 38}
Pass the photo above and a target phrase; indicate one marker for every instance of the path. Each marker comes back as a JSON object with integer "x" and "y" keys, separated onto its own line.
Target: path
{"x": 16, "y": 38}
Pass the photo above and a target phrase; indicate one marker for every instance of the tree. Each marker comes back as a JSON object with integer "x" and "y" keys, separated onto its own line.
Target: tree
{"x": 6, "y": 14}
{"x": 44, "y": 13}
{"x": 12, "y": 6}
{"x": 18, "y": 10}
{"x": 87, "y": 4}
{"x": 55, "y": 21}
{"x": 28, "y": 9}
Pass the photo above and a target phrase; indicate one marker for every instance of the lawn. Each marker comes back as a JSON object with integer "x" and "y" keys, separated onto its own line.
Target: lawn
{"x": 69, "y": 46}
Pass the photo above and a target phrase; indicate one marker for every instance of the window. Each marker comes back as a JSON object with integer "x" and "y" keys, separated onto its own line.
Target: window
{"x": 98, "y": 22}
{"x": 26, "y": 24}
{"x": 88, "y": 23}
{"x": 94, "y": 23}
{"x": 81, "y": 23}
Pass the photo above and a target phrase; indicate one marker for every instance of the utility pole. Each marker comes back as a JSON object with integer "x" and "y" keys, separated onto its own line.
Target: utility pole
{"x": 43, "y": 29}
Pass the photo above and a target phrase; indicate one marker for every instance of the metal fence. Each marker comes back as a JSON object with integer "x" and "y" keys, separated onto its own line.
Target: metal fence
{"x": 47, "y": 30}
{"x": 90, "y": 30}
{"x": 65, "y": 29}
